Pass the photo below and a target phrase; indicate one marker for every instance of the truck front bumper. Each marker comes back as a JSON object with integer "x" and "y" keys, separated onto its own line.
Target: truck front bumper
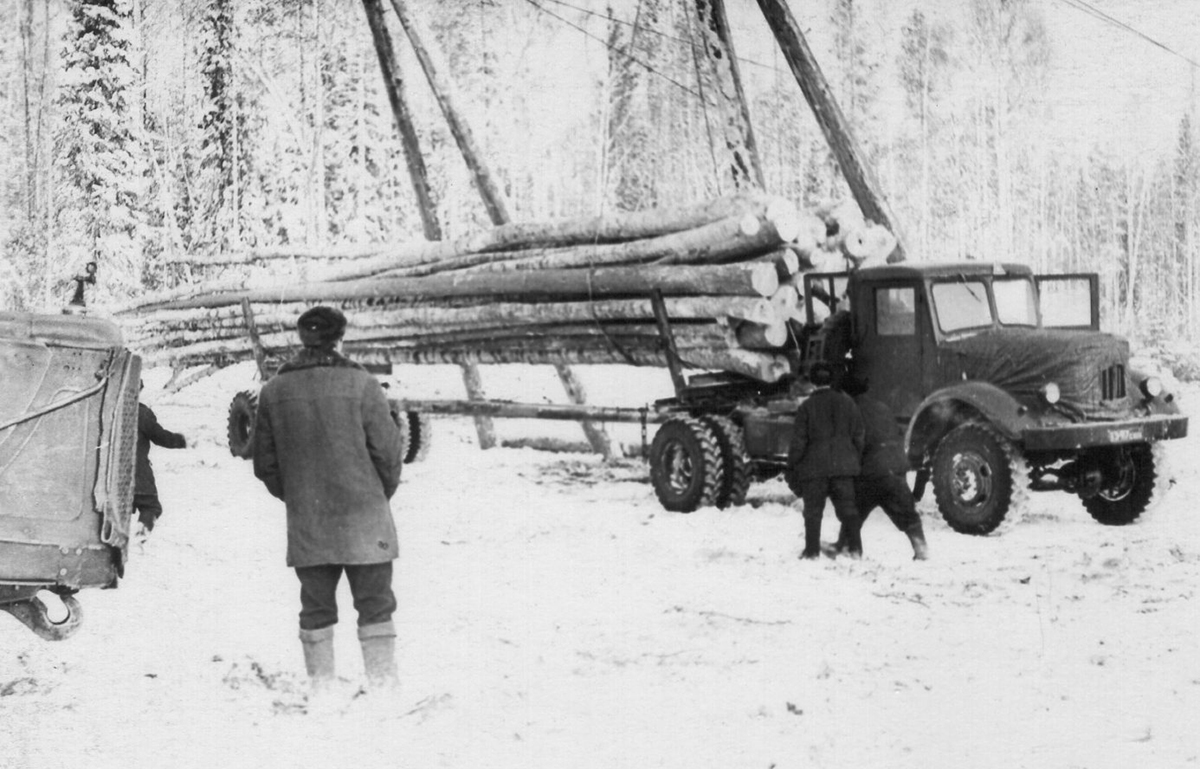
{"x": 1158, "y": 427}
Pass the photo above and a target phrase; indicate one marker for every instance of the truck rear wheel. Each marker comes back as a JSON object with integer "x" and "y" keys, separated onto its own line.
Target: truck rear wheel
{"x": 686, "y": 467}
{"x": 420, "y": 433}
{"x": 400, "y": 417}
{"x": 415, "y": 432}
{"x": 976, "y": 477}
{"x": 1127, "y": 494}
{"x": 732, "y": 442}
{"x": 240, "y": 429}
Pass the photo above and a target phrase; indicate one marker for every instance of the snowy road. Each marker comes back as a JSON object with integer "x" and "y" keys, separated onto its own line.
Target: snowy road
{"x": 551, "y": 614}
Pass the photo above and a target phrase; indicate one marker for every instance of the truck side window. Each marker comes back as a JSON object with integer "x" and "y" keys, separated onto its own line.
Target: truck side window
{"x": 895, "y": 311}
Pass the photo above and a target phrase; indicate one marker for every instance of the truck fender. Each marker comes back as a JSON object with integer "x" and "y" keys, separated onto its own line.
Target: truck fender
{"x": 958, "y": 403}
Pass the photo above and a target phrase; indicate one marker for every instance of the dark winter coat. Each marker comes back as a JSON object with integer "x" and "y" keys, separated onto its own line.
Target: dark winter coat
{"x": 325, "y": 444}
{"x": 828, "y": 437}
{"x": 884, "y": 452}
{"x": 150, "y": 431}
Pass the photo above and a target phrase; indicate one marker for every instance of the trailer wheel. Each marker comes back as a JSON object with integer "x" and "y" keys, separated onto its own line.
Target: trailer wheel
{"x": 401, "y": 419}
{"x": 732, "y": 442}
{"x": 685, "y": 465}
{"x": 420, "y": 434}
{"x": 1130, "y": 491}
{"x": 240, "y": 429}
{"x": 977, "y": 475}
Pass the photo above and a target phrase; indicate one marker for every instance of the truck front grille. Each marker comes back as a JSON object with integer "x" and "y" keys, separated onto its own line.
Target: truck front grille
{"x": 1112, "y": 383}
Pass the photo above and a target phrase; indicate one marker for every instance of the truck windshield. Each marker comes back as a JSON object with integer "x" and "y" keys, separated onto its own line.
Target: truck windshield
{"x": 962, "y": 304}
{"x": 1016, "y": 302}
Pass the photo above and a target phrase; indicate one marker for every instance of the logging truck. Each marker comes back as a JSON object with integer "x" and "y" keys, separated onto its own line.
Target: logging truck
{"x": 68, "y": 436}
{"x": 1002, "y": 380}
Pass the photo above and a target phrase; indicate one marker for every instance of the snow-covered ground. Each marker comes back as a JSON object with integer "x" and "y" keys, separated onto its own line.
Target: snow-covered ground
{"x": 552, "y": 615}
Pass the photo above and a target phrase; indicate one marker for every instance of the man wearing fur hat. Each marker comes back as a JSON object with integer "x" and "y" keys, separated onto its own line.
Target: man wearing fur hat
{"x": 326, "y": 445}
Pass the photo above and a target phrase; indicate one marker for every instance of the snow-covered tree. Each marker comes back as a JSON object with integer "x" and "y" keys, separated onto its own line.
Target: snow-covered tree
{"x": 217, "y": 157}
{"x": 100, "y": 162}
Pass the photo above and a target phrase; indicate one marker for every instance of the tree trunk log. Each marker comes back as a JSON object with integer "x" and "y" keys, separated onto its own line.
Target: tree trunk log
{"x": 739, "y": 279}
{"x": 756, "y": 336}
{"x": 762, "y": 366}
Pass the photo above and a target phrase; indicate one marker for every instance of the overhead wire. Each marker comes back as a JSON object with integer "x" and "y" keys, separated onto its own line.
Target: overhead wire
{"x": 656, "y": 32}
{"x": 644, "y": 65}
{"x": 1094, "y": 12}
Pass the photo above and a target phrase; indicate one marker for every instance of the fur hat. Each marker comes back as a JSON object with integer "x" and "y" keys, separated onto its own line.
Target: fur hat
{"x": 321, "y": 326}
{"x": 855, "y": 385}
{"x": 821, "y": 374}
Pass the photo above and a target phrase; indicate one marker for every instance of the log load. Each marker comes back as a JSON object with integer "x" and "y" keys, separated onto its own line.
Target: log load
{"x": 565, "y": 292}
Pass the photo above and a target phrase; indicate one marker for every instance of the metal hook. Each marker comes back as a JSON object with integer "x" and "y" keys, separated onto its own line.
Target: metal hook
{"x": 34, "y": 615}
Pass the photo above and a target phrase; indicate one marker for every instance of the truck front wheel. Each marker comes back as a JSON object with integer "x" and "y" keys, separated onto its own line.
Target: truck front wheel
{"x": 686, "y": 466}
{"x": 1128, "y": 487}
{"x": 976, "y": 476}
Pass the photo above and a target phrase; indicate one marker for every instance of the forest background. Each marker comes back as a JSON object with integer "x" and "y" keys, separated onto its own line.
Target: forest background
{"x": 1058, "y": 133}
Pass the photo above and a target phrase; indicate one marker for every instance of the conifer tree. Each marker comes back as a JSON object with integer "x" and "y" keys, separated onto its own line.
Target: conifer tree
{"x": 101, "y": 166}
{"x": 216, "y": 226}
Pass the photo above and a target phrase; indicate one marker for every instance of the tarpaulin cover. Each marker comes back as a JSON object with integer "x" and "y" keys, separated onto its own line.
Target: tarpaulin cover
{"x": 1021, "y": 361}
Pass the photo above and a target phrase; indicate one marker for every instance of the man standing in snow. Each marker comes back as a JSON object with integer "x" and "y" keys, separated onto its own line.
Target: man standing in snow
{"x": 823, "y": 459}
{"x": 327, "y": 446}
{"x": 882, "y": 482}
{"x": 145, "y": 491}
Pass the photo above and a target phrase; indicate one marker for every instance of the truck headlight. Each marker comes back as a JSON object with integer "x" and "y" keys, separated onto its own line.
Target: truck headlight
{"x": 1051, "y": 393}
{"x": 1152, "y": 387}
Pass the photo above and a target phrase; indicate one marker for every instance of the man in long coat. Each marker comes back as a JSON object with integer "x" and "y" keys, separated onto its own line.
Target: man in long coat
{"x": 325, "y": 443}
{"x": 823, "y": 460}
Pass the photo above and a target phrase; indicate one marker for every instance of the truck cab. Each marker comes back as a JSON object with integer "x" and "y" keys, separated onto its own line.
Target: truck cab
{"x": 1003, "y": 382}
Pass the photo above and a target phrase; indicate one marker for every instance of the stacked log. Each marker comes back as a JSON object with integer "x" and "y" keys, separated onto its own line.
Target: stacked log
{"x": 568, "y": 292}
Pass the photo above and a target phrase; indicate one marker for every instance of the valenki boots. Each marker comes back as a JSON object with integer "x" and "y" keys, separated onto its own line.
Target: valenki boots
{"x": 916, "y": 535}
{"x": 812, "y": 538}
{"x": 318, "y": 657}
{"x": 379, "y": 654}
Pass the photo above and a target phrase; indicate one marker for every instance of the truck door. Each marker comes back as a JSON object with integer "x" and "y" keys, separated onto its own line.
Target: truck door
{"x": 893, "y": 340}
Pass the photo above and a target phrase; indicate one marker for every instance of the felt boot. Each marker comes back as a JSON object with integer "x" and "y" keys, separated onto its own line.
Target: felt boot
{"x": 379, "y": 654}
{"x": 916, "y": 535}
{"x": 850, "y": 540}
{"x": 318, "y": 658}
{"x": 812, "y": 538}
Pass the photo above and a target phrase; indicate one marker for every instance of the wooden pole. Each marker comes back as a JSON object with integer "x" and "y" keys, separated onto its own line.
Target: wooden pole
{"x": 389, "y": 64}
{"x": 260, "y": 355}
{"x": 394, "y": 85}
{"x": 734, "y": 133}
{"x": 510, "y": 410}
{"x": 430, "y": 59}
{"x": 807, "y": 72}
{"x": 493, "y": 199}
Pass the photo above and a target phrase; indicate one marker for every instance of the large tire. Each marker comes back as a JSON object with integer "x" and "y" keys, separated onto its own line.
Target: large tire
{"x": 420, "y": 435}
{"x": 1130, "y": 492}
{"x": 735, "y": 466}
{"x": 240, "y": 428}
{"x": 401, "y": 420}
{"x": 686, "y": 468}
{"x": 978, "y": 475}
